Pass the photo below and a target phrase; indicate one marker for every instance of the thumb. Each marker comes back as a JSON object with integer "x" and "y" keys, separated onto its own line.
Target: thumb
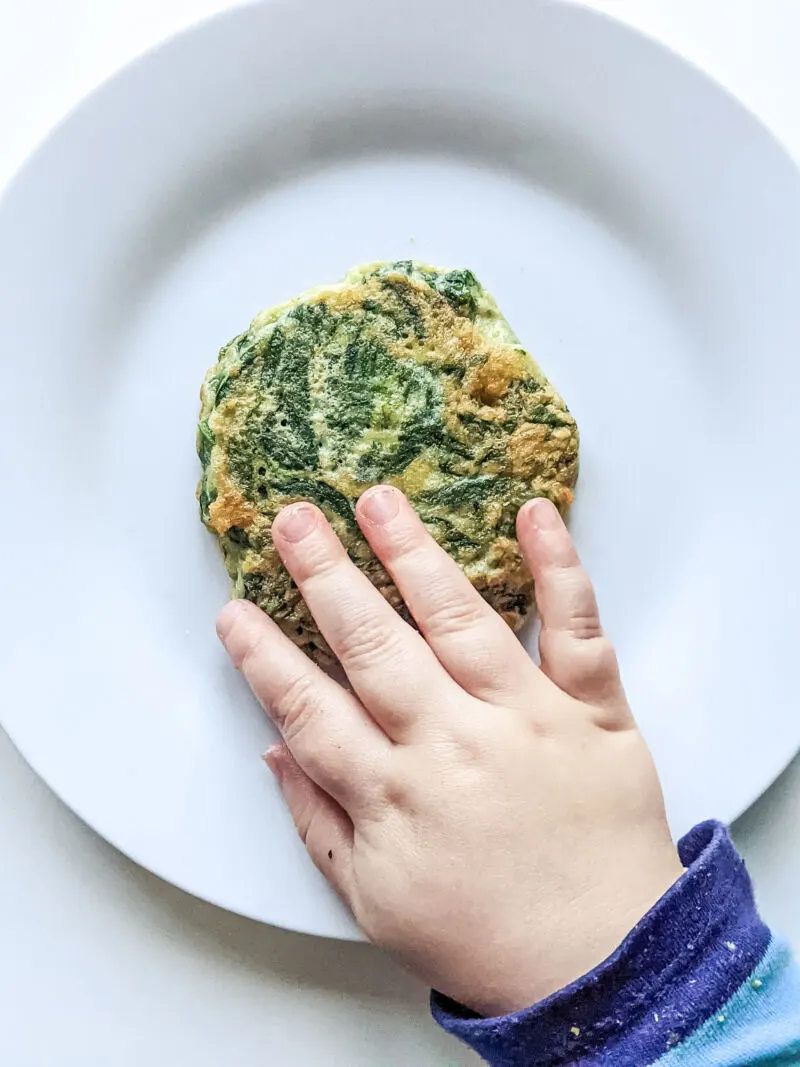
{"x": 324, "y": 828}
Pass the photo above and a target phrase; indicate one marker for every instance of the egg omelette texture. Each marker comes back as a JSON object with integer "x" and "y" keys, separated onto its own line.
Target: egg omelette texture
{"x": 404, "y": 374}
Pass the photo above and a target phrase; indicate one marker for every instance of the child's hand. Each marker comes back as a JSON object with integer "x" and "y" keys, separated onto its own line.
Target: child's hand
{"x": 498, "y": 826}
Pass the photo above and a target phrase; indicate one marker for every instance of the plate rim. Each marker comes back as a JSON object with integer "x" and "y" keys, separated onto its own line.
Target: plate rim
{"x": 141, "y": 60}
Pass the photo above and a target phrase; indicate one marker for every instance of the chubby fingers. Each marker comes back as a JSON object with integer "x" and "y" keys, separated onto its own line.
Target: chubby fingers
{"x": 575, "y": 652}
{"x": 390, "y": 666}
{"x": 332, "y": 737}
{"x": 470, "y": 640}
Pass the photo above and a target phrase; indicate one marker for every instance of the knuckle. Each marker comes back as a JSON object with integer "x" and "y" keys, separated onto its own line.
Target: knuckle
{"x": 367, "y": 645}
{"x": 295, "y": 707}
{"x": 317, "y": 562}
{"x": 397, "y": 794}
{"x": 594, "y": 652}
{"x": 569, "y": 571}
{"x": 472, "y": 737}
{"x": 573, "y": 597}
{"x": 586, "y": 627}
{"x": 448, "y": 613}
{"x": 583, "y": 667}
{"x": 407, "y": 541}
{"x": 602, "y": 658}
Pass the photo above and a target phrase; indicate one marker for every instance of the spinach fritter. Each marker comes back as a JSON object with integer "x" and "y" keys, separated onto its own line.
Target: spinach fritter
{"x": 402, "y": 373}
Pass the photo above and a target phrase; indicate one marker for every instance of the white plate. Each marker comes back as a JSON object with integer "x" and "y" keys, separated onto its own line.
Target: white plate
{"x": 640, "y": 230}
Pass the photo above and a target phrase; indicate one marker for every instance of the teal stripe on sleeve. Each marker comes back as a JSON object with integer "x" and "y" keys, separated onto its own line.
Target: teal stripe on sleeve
{"x": 759, "y": 1026}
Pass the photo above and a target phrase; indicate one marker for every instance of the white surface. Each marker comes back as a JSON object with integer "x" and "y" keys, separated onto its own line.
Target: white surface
{"x": 633, "y": 250}
{"x": 124, "y": 969}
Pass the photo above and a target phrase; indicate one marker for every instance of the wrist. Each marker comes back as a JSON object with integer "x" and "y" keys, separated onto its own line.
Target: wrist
{"x": 582, "y": 932}
{"x": 684, "y": 959}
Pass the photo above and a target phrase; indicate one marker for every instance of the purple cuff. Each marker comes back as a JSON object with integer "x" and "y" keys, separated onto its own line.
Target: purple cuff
{"x": 677, "y": 967}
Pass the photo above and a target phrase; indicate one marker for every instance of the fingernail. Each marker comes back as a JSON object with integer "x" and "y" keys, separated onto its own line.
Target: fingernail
{"x": 544, "y": 514}
{"x": 296, "y": 522}
{"x": 228, "y": 616}
{"x": 380, "y": 505}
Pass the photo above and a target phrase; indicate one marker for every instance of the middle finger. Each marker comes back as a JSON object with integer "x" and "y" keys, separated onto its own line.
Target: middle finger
{"x": 470, "y": 639}
{"x": 388, "y": 663}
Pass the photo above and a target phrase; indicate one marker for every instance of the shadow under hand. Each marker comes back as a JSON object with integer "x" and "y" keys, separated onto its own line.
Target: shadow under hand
{"x": 345, "y": 967}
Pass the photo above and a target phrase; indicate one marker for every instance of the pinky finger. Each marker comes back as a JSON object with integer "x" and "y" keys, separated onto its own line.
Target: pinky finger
{"x": 576, "y": 654}
{"x": 324, "y": 828}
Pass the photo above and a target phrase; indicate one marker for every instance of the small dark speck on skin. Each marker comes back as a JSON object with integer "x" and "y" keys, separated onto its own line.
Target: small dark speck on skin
{"x": 330, "y": 853}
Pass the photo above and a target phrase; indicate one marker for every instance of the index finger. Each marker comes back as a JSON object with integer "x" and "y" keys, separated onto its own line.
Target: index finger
{"x": 330, "y": 735}
{"x": 390, "y": 666}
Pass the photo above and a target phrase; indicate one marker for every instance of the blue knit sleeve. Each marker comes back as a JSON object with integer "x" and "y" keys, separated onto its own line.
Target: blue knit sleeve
{"x": 700, "y": 981}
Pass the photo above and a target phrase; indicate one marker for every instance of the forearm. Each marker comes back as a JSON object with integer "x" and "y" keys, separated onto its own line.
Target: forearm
{"x": 699, "y": 981}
